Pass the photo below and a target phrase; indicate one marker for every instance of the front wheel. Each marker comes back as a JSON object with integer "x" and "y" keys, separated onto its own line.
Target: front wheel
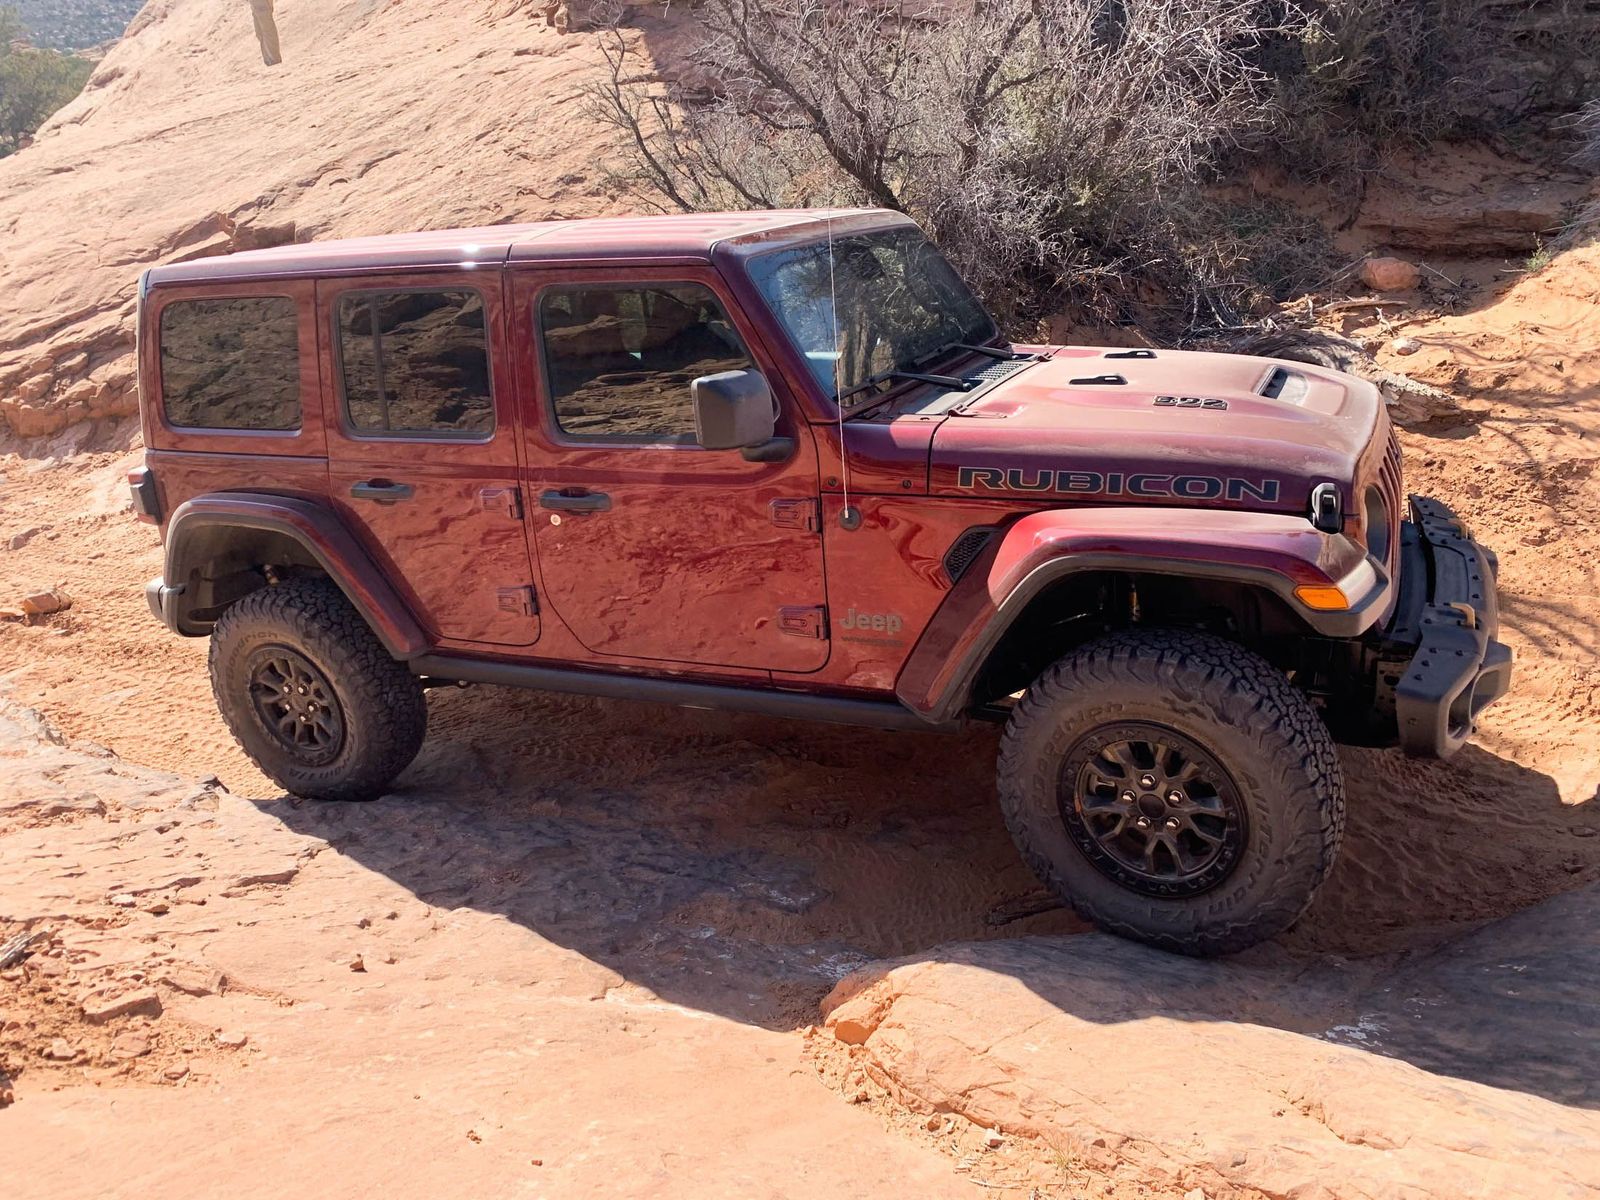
{"x": 1174, "y": 788}
{"x": 311, "y": 694}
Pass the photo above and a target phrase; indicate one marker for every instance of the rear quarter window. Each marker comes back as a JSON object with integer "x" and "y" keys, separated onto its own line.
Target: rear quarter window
{"x": 231, "y": 363}
{"x": 415, "y": 362}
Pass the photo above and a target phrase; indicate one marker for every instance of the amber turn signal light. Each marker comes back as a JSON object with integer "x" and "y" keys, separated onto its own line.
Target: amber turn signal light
{"x": 1322, "y": 597}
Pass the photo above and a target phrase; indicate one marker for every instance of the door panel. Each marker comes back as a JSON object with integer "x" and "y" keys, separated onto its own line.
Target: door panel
{"x": 422, "y": 447}
{"x": 658, "y": 549}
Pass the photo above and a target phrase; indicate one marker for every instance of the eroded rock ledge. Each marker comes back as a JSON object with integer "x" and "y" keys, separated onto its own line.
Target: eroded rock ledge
{"x": 1470, "y": 1072}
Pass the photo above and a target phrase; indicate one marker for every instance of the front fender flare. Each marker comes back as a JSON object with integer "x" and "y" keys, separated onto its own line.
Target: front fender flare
{"x": 1275, "y": 551}
{"x": 314, "y": 527}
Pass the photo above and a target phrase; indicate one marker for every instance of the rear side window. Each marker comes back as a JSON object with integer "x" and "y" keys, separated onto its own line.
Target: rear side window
{"x": 620, "y": 359}
{"x": 231, "y": 364}
{"x": 416, "y": 362}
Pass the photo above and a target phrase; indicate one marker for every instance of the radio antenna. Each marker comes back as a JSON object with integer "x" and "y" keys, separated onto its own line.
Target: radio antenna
{"x": 849, "y": 516}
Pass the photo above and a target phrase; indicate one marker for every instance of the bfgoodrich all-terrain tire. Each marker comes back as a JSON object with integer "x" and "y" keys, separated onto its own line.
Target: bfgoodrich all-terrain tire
{"x": 311, "y": 694}
{"x": 1174, "y": 788}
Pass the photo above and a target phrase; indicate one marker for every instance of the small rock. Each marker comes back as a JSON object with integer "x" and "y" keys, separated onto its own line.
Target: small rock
{"x": 158, "y": 909}
{"x": 357, "y": 963}
{"x": 1583, "y": 831}
{"x": 230, "y": 1041}
{"x": 196, "y": 981}
{"x": 1405, "y": 345}
{"x": 123, "y": 900}
{"x": 934, "y": 1123}
{"x": 175, "y": 1073}
{"x": 280, "y": 875}
{"x": 41, "y": 603}
{"x": 1194, "y": 1194}
{"x": 98, "y": 1009}
{"x": 1390, "y": 274}
{"x": 61, "y": 1050}
{"x": 18, "y": 540}
{"x": 129, "y": 1045}
{"x": 994, "y": 1139}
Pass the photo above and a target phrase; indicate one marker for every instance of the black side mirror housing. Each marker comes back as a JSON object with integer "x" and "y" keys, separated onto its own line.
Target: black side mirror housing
{"x": 733, "y": 410}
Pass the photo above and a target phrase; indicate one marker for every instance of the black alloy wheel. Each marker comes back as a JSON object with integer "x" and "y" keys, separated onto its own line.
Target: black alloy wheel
{"x": 296, "y": 704}
{"x": 1152, "y": 809}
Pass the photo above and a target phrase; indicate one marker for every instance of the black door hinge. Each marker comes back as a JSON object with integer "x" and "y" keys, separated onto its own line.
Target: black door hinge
{"x": 797, "y": 514}
{"x": 522, "y": 600}
{"x": 507, "y": 500}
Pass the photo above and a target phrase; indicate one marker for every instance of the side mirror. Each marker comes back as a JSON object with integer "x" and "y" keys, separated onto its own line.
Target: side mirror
{"x": 733, "y": 410}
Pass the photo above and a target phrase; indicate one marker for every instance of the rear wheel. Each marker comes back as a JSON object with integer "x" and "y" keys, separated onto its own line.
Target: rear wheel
{"x": 1173, "y": 788}
{"x": 311, "y": 694}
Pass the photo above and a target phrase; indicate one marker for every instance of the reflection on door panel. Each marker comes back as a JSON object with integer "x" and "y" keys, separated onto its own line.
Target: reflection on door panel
{"x": 621, "y": 360}
{"x": 672, "y": 553}
{"x": 421, "y": 464}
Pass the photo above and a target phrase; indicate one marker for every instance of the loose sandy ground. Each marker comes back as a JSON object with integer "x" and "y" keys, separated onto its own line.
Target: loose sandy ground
{"x": 614, "y": 926}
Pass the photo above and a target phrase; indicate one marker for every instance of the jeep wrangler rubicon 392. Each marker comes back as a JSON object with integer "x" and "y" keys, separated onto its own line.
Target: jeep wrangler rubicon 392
{"x": 785, "y": 462}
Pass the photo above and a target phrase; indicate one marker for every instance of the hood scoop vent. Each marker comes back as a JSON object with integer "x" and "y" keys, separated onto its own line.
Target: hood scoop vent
{"x": 1130, "y": 354}
{"x": 1284, "y": 384}
{"x": 1106, "y": 380}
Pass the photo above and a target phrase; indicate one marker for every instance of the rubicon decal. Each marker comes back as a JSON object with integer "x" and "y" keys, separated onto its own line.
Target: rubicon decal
{"x": 1233, "y": 489}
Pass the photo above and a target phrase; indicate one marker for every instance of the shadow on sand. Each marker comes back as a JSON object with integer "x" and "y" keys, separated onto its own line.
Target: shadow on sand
{"x": 741, "y": 866}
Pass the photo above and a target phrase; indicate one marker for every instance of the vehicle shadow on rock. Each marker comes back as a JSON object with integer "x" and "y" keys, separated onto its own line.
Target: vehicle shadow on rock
{"x": 742, "y": 865}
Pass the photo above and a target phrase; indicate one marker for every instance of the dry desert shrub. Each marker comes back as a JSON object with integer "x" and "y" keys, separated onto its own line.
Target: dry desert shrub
{"x": 1065, "y": 153}
{"x": 1053, "y": 148}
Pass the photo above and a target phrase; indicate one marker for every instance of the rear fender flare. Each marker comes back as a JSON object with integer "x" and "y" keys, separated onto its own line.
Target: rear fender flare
{"x": 1278, "y": 552}
{"x": 315, "y": 528}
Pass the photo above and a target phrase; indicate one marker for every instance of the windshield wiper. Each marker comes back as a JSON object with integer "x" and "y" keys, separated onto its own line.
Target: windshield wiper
{"x": 948, "y": 382}
{"x": 991, "y": 351}
{"x": 939, "y": 352}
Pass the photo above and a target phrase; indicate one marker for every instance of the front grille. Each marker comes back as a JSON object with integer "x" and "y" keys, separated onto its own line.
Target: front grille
{"x": 1390, "y": 484}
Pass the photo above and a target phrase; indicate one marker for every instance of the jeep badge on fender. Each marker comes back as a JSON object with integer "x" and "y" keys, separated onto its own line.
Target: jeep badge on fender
{"x": 734, "y": 461}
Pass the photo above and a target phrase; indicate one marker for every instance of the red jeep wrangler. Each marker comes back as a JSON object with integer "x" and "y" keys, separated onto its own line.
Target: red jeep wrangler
{"x": 785, "y": 462}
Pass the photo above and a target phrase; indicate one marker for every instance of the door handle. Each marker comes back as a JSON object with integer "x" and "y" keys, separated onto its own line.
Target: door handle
{"x": 575, "y": 502}
{"x": 381, "y": 491}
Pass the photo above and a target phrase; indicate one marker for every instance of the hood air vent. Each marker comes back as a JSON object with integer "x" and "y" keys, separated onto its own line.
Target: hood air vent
{"x": 1284, "y": 384}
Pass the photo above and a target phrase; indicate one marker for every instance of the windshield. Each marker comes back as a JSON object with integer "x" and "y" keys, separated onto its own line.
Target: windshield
{"x": 899, "y": 302}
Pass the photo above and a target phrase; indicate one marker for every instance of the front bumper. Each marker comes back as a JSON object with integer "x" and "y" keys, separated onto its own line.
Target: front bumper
{"x": 1447, "y": 665}
{"x": 162, "y": 601}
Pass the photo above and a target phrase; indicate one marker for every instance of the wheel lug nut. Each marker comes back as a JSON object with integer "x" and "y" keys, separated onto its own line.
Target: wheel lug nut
{"x": 1172, "y": 822}
{"x": 1174, "y": 797}
{"x": 1128, "y": 797}
{"x": 1143, "y": 822}
{"x": 1147, "y": 781}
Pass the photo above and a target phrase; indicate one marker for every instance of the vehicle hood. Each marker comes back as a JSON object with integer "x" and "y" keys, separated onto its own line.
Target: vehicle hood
{"x": 1177, "y": 427}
